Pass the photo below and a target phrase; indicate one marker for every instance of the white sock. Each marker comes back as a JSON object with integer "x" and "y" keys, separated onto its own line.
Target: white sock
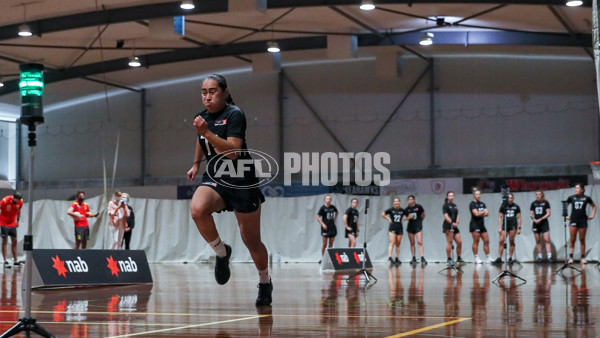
{"x": 540, "y": 255}
{"x": 263, "y": 276}
{"x": 549, "y": 255}
{"x": 219, "y": 247}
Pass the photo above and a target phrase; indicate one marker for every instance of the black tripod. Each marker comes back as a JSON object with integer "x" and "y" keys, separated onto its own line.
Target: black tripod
{"x": 567, "y": 264}
{"x": 363, "y": 270}
{"x": 28, "y": 324}
{"x": 451, "y": 264}
{"x": 505, "y": 272}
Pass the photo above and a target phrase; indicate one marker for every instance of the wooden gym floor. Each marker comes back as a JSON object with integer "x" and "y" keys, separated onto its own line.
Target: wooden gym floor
{"x": 417, "y": 300}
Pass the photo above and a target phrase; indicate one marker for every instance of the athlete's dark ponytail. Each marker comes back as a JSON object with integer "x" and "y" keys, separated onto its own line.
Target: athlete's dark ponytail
{"x": 222, "y": 83}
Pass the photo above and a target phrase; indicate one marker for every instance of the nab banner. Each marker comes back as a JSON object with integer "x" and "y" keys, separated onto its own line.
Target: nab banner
{"x": 89, "y": 267}
{"x": 345, "y": 259}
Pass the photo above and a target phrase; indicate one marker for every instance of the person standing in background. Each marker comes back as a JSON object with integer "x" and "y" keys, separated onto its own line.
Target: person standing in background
{"x": 540, "y": 212}
{"x": 130, "y": 222}
{"x": 450, "y": 227}
{"x": 415, "y": 216}
{"x": 394, "y": 216}
{"x": 578, "y": 220}
{"x": 351, "y": 223}
{"x": 511, "y": 213}
{"x": 477, "y": 227}
{"x": 10, "y": 214}
{"x": 117, "y": 220}
{"x": 326, "y": 218}
{"x": 80, "y": 211}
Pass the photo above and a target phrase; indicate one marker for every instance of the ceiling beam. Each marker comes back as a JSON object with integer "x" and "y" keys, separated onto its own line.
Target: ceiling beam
{"x": 307, "y": 3}
{"x": 112, "y": 16}
{"x": 464, "y": 38}
{"x": 144, "y": 12}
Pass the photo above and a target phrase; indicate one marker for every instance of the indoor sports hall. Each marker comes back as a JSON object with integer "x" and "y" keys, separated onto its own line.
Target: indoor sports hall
{"x": 299, "y": 168}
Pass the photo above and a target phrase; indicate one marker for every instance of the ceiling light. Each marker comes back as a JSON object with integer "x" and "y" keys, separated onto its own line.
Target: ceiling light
{"x": 273, "y": 47}
{"x": 24, "y": 30}
{"x": 574, "y": 3}
{"x": 134, "y": 61}
{"x": 426, "y": 40}
{"x": 187, "y": 5}
{"x": 367, "y": 5}
{"x": 1, "y": 83}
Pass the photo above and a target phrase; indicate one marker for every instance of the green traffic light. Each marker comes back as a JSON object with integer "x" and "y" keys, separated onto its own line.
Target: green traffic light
{"x": 32, "y": 83}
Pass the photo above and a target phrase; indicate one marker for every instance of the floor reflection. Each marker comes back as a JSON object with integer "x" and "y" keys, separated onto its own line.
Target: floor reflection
{"x": 580, "y": 305}
{"x": 8, "y": 299}
{"x": 329, "y": 303}
{"x": 414, "y": 300}
{"x": 452, "y": 298}
{"x": 542, "y": 306}
{"x": 479, "y": 299}
{"x": 78, "y": 306}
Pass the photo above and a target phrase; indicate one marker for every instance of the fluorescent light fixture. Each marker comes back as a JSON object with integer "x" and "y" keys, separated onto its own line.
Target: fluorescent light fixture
{"x": 427, "y": 39}
{"x": 1, "y": 83}
{"x": 134, "y": 61}
{"x": 25, "y": 30}
{"x": 367, "y": 5}
{"x": 187, "y": 5}
{"x": 273, "y": 47}
{"x": 574, "y": 3}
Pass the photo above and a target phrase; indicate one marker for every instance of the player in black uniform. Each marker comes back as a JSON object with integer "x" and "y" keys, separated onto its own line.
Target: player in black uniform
{"x": 450, "y": 227}
{"x": 351, "y": 223}
{"x": 579, "y": 219}
{"x": 513, "y": 226}
{"x": 477, "y": 227}
{"x": 221, "y": 139}
{"x": 540, "y": 212}
{"x": 394, "y": 215}
{"x": 415, "y": 216}
{"x": 326, "y": 217}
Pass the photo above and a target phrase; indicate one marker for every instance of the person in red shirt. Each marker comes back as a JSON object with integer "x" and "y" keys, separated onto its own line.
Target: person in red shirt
{"x": 80, "y": 211}
{"x": 10, "y": 213}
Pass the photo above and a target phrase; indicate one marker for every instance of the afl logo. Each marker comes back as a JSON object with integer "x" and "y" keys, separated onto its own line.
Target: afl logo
{"x": 229, "y": 172}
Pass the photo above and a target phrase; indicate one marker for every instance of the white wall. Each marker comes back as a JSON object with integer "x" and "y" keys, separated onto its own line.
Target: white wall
{"x": 489, "y": 112}
{"x": 165, "y": 230}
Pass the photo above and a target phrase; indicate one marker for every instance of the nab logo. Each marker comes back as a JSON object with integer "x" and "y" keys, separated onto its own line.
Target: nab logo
{"x": 343, "y": 258}
{"x": 115, "y": 267}
{"x": 359, "y": 257}
{"x": 128, "y": 265}
{"x": 78, "y": 265}
{"x": 59, "y": 266}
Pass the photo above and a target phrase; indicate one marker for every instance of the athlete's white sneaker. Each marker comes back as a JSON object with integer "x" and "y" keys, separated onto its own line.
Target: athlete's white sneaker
{"x": 477, "y": 260}
{"x": 490, "y": 260}
{"x": 583, "y": 261}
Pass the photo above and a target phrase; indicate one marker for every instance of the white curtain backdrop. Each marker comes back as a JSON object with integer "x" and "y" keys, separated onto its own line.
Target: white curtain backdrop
{"x": 165, "y": 230}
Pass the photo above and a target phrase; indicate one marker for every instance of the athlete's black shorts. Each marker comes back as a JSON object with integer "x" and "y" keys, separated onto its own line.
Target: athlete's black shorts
{"x": 447, "y": 226}
{"x": 396, "y": 229}
{"x": 82, "y": 233}
{"x": 541, "y": 227}
{"x": 414, "y": 228}
{"x": 8, "y": 231}
{"x": 580, "y": 224}
{"x": 243, "y": 200}
{"x": 477, "y": 227}
{"x": 510, "y": 227}
{"x": 330, "y": 232}
{"x": 353, "y": 232}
